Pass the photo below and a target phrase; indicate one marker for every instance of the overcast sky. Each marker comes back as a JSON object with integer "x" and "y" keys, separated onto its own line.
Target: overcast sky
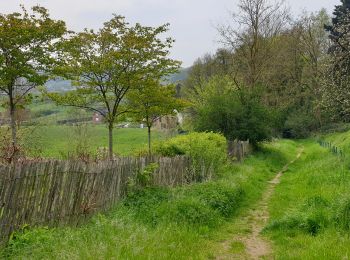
{"x": 191, "y": 21}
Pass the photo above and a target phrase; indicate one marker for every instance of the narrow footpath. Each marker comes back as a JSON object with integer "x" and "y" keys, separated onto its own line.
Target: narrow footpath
{"x": 254, "y": 245}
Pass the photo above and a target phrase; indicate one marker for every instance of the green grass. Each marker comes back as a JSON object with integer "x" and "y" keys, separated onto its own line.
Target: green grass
{"x": 55, "y": 140}
{"x": 310, "y": 209}
{"x": 162, "y": 223}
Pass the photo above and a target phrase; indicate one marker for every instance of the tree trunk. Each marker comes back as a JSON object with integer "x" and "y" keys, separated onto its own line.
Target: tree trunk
{"x": 13, "y": 123}
{"x": 149, "y": 140}
{"x": 110, "y": 141}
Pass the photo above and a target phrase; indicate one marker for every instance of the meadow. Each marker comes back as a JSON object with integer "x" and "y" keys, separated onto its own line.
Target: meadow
{"x": 55, "y": 141}
{"x": 43, "y": 135}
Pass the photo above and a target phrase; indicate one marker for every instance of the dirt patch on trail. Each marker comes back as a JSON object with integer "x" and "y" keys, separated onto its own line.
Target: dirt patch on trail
{"x": 252, "y": 244}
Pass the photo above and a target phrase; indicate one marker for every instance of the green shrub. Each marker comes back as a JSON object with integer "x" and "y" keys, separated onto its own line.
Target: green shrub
{"x": 203, "y": 148}
{"x": 202, "y": 205}
{"x": 142, "y": 178}
{"x": 20, "y": 240}
{"x": 170, "y": 148}
{"x": 311, "y": 226}
{"x": 237, "y": 113}
{"x": 153, "y": 206}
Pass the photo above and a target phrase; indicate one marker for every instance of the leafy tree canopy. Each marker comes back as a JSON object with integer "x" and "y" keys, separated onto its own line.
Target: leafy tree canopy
{"x": 151, "y": 101}
{"x": 107, "y": 64}
{"x": 234, "y": 112}
{"x": 28, "y": 44}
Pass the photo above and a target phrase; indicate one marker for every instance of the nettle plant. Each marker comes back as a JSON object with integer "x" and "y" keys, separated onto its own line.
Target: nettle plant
{"x": 143, "y": 178}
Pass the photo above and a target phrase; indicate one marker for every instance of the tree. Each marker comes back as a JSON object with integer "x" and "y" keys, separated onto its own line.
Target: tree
{"x": 204, "y": 68}
{"x": 314, "y": 45}
{"x": 108, "y": 63}
{"x": 27, "y": 45}
{"x": 314, "y": 42}
{"x": 152, "y": 101}
{"x": 266, "y": 51}
{"x": 293, "y": 78}
{"x": 251, "y": 36}
{"x": 339, "y": 29}
{"x": 234, "y": 112}
{"x": 336, "y": 97}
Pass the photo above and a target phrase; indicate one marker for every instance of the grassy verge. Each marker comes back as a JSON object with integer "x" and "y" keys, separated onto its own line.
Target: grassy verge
{"x": 341, "y": 140}
{"x": 161, "y": 223}
{"x": 310, "y": 209}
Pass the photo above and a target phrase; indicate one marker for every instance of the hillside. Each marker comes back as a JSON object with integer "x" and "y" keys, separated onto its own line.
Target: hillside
{"x": 180, "y": 76}
{"x": 60, "y": 85}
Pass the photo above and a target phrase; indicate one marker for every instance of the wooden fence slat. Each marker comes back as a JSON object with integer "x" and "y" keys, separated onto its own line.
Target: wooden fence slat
{"x": 66, "y": 192}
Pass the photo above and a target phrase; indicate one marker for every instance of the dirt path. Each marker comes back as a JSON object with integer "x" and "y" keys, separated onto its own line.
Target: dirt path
{"x": 253, "y": 244}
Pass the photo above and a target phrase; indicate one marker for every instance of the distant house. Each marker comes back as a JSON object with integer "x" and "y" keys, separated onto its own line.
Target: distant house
{"x": 97, "y": 118}
{"x": 165, "y": 122}
{"x": 22, "y": 115}
{"x": 168, "y": 122}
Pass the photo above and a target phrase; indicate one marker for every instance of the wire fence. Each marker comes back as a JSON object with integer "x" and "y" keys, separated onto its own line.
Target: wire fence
{"x": 332, "y": 148}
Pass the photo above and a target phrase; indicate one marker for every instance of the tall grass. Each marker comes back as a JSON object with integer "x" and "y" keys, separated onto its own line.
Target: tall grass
{"x": 310, "y": 210}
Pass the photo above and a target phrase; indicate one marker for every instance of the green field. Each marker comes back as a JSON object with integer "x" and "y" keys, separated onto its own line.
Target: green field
{"x": 45, "y": 137}
{"x": 56, "y": 140}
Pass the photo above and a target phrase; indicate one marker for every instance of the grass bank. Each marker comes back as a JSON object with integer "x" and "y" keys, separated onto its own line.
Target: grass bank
{"x": 161, "y": 223}
{"x": 310, "y": 209}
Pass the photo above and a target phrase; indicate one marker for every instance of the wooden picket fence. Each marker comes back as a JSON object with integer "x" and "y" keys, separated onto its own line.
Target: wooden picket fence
{"x": 65, "y": 192}
{"x": 238, "y": 149}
